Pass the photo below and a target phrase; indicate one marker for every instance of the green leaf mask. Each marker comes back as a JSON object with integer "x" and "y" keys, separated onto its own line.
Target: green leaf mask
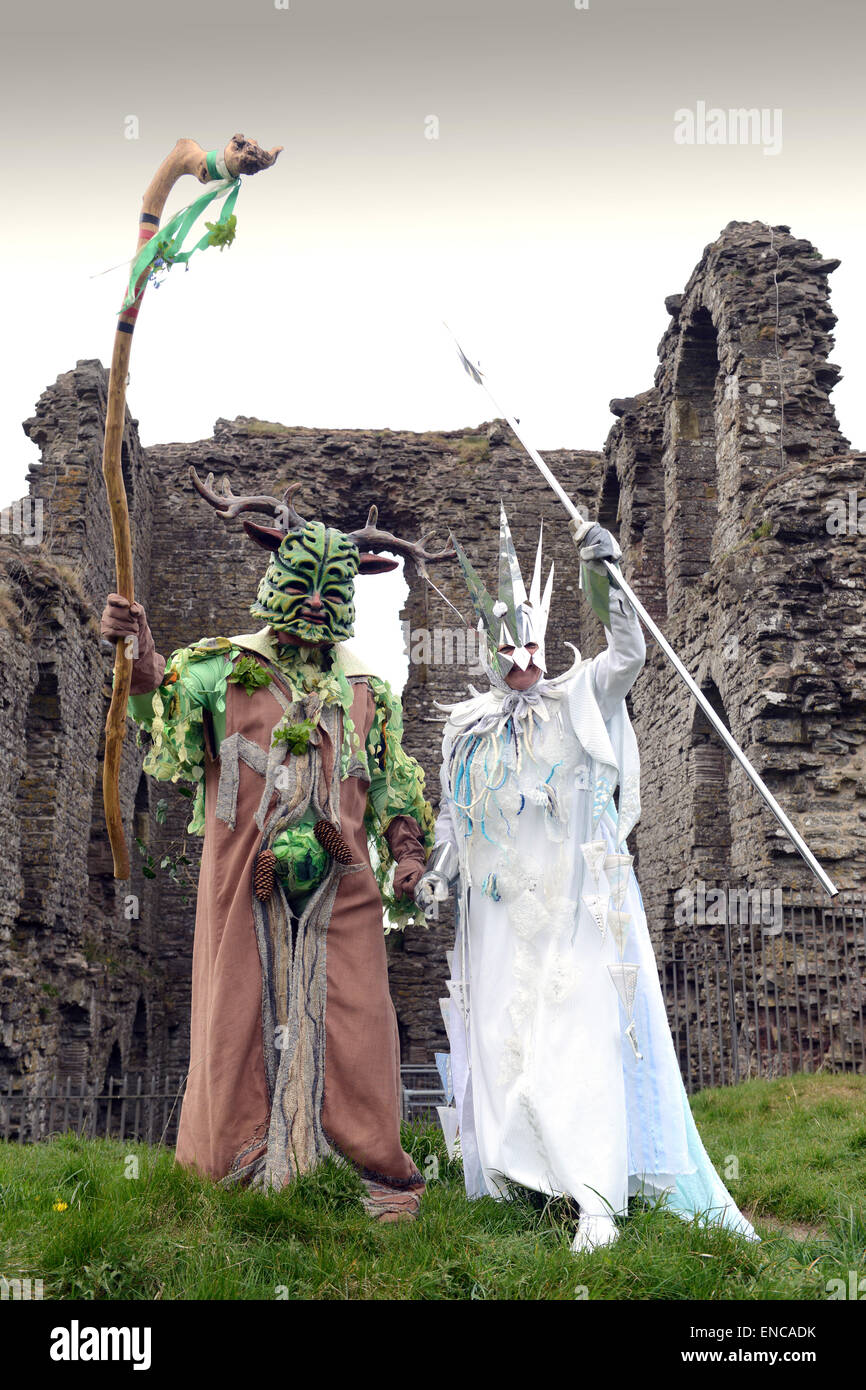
{"x": 316, "y": 561}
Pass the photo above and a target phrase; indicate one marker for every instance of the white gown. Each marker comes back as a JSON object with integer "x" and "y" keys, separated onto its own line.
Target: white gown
{"x": 550, "y": 1090}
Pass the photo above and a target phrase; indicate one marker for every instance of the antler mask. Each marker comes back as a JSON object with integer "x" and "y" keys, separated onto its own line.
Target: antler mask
{"x": 308, "y": 587}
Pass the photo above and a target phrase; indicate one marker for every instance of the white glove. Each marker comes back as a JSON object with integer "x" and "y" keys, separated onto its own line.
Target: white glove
{"x": 594, "y": 542}
{"x": 431, "y": 889}
{"x": 434, "y": 885}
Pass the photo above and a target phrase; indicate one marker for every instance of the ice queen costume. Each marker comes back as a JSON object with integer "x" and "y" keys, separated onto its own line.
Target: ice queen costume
{"x": 562, "y": 1074}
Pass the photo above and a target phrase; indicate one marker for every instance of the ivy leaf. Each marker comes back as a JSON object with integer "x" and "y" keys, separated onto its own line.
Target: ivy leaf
{"x": 161, "y": 808}
{"x": 249, "y": 674}
{"x": 222, "y": 234}
{"x": 297, "y": 736}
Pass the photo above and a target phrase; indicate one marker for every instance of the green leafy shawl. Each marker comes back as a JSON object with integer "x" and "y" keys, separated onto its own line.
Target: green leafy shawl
{"x": 195, "y": 682}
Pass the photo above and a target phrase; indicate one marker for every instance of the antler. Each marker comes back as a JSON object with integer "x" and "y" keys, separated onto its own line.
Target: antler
{"x": 228, "y": 505}
{"x": 371, "y": 538}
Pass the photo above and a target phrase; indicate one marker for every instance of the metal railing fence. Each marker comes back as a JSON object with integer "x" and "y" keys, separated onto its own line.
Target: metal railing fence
{"x": 742, "y": 1001}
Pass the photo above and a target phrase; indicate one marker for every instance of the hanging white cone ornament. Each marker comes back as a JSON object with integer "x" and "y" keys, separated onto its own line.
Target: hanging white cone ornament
{"x": 445, "y": 1007}
{"x": 619, "y": 924}
{"x": 625, "y": 983}
{"x": 595, "y": 853}
{"x": 617, "y": 869}
{"x": 458, "y": 993}
{"x": 448, "y": 1120}
{"x": 597, "y": 907}
{"x": 443, "y": 1066}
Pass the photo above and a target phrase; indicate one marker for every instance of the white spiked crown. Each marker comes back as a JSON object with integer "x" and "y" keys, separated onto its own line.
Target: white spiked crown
{"x": 513, "y": 619}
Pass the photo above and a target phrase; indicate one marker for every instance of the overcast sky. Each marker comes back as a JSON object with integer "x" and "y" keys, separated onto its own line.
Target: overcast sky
{"x": 547, "y": 221}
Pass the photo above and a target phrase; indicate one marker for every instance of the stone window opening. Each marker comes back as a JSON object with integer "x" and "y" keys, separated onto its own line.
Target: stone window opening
{"x": 645, "y": 535}
{"x": 692, "y": 473}
{"x": 108, "y": 1118}
{"x": 711, "y": 819}
{"x": 37, "y": 792}
{"x": 114, "y": 1066}
{"x": 608, "y": 505}
{"x": 138, "y": 1050}
{"x": 74, "y": 1042}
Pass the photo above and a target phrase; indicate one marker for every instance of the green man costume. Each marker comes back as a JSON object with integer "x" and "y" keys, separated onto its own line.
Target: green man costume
{"x": 312, "y": 815}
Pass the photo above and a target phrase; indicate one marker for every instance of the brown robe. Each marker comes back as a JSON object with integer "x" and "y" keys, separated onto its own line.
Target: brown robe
{"x": 225, "y": 1114}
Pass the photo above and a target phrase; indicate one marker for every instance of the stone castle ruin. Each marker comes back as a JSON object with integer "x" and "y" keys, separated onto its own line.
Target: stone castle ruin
{"x": 741, "y": 511}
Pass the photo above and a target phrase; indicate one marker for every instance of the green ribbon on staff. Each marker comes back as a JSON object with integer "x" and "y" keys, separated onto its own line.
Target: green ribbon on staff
{"x": 166, "y": 243}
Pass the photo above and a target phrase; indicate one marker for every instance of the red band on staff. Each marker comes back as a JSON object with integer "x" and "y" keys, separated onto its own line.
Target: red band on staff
{"x": 146, "y": 232}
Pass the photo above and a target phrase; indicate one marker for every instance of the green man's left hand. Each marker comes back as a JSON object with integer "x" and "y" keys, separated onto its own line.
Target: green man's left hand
{"x": 406, "y": 875}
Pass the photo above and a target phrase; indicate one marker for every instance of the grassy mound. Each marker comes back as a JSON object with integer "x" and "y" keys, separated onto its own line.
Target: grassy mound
{"x": 97, "y": 1219}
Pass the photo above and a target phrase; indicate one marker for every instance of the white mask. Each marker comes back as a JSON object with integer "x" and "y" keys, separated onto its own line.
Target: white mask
{"x": 511, "y": 619}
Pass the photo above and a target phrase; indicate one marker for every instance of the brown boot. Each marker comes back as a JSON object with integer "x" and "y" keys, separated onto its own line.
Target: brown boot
{"x": 386, "y": 1203}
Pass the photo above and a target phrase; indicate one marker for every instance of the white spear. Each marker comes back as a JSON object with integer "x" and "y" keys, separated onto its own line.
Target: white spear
{"x": 617, "y": 578}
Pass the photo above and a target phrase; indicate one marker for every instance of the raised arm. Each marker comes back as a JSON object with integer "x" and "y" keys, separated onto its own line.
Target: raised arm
{"x": 615, "y": 670}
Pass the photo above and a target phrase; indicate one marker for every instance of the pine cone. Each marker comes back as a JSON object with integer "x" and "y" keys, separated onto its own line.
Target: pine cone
{"x": 330, "y": 838}
{"x": 263, "y": 875}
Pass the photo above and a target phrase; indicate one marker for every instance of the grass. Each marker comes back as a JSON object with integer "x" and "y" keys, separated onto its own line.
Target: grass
{"x": 10, "y": 610}
{"x": 473, "y": 450}
{"x": 252, "y": 426}
{"x": 800, "y": 1144}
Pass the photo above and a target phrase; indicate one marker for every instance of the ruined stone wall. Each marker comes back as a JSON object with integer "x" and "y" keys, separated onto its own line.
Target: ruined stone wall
{"x": 718, "y": 481}
{"x": 80, "y": 974}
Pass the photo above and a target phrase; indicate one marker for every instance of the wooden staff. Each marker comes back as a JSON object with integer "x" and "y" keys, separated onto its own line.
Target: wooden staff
{"x": 240, "y": 156}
